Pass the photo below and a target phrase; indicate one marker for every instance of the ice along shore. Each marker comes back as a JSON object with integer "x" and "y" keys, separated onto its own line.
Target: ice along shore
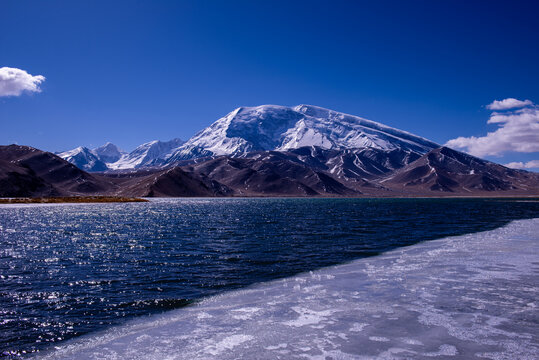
{"x": 472, "y": 296}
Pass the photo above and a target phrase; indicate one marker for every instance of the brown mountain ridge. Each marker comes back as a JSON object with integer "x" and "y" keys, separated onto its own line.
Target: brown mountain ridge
{"x": 307, "y": 171}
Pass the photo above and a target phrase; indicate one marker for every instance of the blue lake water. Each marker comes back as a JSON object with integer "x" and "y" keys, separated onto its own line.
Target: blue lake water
{"x": 68, "y": 270}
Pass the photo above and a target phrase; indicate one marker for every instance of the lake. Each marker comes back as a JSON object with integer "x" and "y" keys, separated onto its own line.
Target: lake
{"x": 73, "y": 269}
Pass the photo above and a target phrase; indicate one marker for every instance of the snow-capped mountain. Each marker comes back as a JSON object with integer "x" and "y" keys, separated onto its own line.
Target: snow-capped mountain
{"x": 84, "y": 159}
{"x": 273, "y": 127}
{"x": 110, "y": 157}
{"x": 261, "y": 128}
{"x": 150, "y": 153}
{"x": 109, "y": 153}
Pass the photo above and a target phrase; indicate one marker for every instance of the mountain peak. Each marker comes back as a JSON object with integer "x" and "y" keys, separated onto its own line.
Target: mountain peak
{"x": 84, "y": 159}
{"x": 267, "y": 128}
{"x": 312, "y": 110}
{"x": 75, "y": 151}
{"x": 150, "y": 153}
{"x": 276, "y": 127}
{"x": 109, "y": 156}
{"x": 108, "y": 152}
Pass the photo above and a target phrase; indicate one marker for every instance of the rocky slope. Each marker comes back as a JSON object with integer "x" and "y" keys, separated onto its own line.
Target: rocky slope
{"x": 367, "y": 172}
{"x": 449, "y": 171}
{"x": 309, "y": 171}
{"x": 270, "y": 173}
{"x": 29, "y": 172}
{"x": 26, "y": 171}
{"x": 173, "y": 182}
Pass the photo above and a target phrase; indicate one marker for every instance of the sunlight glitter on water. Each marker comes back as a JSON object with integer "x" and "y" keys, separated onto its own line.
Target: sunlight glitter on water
{"x": 69, "y": 270}
{"x": 473, "y": 296}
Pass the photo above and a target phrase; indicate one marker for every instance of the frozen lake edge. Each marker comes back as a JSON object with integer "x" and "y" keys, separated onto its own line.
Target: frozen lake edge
{"x": 470, "y": 296}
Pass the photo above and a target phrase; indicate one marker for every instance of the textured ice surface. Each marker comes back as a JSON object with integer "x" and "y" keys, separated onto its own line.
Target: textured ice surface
{"x": 472, "y": 296}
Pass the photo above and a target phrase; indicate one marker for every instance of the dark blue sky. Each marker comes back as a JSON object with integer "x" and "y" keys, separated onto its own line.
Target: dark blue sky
{"x": 134, "y": 71}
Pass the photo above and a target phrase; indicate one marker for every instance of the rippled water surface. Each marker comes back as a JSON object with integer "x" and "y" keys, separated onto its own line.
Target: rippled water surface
{"x": 67, "y": 270}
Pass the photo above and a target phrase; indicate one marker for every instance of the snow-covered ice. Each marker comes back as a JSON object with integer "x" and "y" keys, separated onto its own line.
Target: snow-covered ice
{"x": 473, "y": 296}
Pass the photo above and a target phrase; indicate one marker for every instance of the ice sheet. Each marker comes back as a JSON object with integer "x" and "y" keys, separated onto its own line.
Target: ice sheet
{"x": 472, "y": 296}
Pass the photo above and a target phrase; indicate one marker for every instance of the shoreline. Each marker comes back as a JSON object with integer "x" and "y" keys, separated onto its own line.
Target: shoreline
{"x": 444, "y": 297}
{"x": 363, "y": 197}
{"x": 128, "y": 199}
{"x": 71, "y": 200}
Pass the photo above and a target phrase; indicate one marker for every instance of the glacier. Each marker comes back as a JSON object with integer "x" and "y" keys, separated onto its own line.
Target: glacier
{"x": 472, "y": 296}
{"x": 281, "y": 128}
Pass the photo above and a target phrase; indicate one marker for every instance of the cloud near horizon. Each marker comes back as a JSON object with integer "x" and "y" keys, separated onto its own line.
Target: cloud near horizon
{"x": 13, "y": 82}
{"x": 533, "y": 164}
{"x": 518, "y": 131}
{"x": 509, "y": 103}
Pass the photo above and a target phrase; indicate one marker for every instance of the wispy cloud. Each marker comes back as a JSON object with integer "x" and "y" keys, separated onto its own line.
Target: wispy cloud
{"x": 509, "y": 103}
{"x": 518, "y": 131}
{"x": 13, "y": 82}
{"x": 533, "y": 164}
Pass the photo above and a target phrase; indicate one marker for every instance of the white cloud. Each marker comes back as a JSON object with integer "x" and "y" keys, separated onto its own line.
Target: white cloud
{"x": 13, "y": 82}
{"x": 518, "y": 131}
{"x": 509, "y": 103}
{"x": 533, "y": 164}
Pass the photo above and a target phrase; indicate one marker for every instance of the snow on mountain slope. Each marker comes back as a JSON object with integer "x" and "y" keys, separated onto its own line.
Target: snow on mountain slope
{"x": 109, "y": 153}
{"x": 262, "y": 128}
{"x": 150, "y": 153}
{"x": 84, "y": 159}
{"x": 109, "y": 157}
{"x": 273, "y": 127}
